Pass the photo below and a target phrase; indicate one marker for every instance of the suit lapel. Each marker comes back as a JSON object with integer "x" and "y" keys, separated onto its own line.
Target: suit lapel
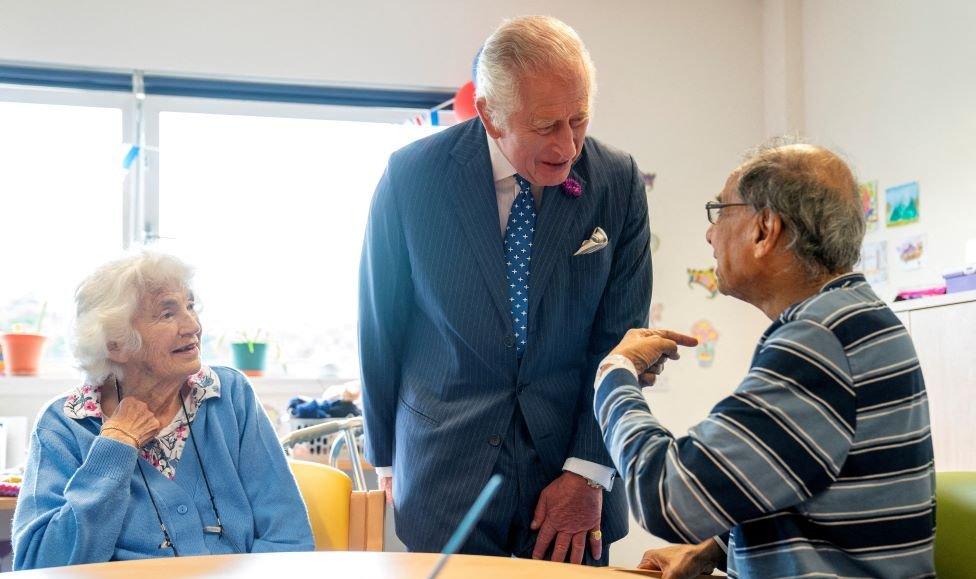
{"x": 472, "y": 192}
{"x": 554, "y": 236}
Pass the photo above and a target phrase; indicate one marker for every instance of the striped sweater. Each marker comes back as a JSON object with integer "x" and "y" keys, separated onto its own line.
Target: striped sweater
{"x": 820, "y": 463}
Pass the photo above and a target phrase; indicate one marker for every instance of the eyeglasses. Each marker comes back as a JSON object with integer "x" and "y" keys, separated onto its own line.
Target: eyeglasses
{"x": 714, "y": 210}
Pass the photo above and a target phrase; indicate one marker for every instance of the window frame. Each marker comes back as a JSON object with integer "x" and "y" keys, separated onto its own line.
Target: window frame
{"x": 140, "y": 113}
{"x": 155, "y": 104}
{"x": 123, "y": 101}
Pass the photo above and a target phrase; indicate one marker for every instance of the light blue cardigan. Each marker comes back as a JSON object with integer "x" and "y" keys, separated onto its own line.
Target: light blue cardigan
{"x": 84, "y": 501}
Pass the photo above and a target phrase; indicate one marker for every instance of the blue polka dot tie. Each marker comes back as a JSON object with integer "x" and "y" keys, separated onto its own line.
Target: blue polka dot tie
{"x": 518, "y": 256}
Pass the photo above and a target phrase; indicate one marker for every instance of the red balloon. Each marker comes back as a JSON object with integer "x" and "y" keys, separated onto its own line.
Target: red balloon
{"x": 464, "y": 102}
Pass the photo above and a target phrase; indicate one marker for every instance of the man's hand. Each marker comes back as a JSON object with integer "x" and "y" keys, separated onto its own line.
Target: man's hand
{"x": 568, "y": 511}
{"x": 684, "y": 561}
{"x": 648, "y": 350}
{"x": 386, "y": 485}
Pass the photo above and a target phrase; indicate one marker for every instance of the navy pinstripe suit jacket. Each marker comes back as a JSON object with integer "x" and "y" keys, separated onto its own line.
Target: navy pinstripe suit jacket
{"x": 439, "y": 367}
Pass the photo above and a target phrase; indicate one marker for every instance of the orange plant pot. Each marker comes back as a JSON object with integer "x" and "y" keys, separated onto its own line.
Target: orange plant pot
{"x": 22, "y": 353}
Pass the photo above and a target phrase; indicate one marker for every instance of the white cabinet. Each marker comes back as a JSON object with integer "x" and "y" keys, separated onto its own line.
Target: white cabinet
{"x": 944, "y": 331}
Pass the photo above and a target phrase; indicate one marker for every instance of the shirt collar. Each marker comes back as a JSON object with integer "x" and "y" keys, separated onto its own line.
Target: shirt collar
{"x": 85, "y": 401}
{"x": 844, "y": 280}
{"x": 501, "y": 168}
{"x": 841, "y": 281}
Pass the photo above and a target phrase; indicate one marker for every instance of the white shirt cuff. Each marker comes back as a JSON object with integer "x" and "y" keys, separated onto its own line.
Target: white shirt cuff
{"x": 383, "y": 470}
{"x": 611, "y": 363}
{"x": 602, "y": 475}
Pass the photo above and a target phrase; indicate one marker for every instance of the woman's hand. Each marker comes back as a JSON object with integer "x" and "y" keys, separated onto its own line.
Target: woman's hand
{"x": 132, "y": 423}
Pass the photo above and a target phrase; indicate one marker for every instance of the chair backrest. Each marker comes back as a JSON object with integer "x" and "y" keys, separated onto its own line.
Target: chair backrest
{"x": 367, "y": 512}
{"x": 342, "y": 519}
{"x": 326, "y": 492}
{"x": 955, "y": 519}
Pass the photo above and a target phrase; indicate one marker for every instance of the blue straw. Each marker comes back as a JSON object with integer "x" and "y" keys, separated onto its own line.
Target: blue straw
{"x": 471, "y": 518}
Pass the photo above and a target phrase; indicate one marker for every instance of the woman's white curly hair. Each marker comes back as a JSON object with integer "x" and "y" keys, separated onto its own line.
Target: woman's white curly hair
{"x": 108, "y": 299}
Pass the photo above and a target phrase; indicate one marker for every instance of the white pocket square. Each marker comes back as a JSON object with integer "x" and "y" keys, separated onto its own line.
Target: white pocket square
{"x": 597, "y": 241}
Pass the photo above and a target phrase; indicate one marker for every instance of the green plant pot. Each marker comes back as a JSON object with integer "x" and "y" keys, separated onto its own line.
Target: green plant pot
{"x": 249, "y": 357}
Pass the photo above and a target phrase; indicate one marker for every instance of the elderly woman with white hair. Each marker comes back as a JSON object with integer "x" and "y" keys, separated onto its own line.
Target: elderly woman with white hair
{"x": 155, "y": 455}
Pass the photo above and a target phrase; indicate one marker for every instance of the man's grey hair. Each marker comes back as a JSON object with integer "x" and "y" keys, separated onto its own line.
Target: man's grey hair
{"x": 108, "y": 300}
{"x": 523, "y": 47}
{"x": 816, "y": 194}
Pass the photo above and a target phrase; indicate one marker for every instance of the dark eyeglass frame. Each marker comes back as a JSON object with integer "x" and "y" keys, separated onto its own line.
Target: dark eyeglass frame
{"x": 715, "y": 206}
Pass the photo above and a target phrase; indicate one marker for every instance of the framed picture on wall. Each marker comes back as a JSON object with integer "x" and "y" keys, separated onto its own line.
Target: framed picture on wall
{"x": 869, "y": 203}
{"x": 902, "y": 204}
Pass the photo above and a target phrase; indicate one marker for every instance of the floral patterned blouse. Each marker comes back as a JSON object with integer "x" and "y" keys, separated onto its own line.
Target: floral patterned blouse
{"x": 164, "y": 451}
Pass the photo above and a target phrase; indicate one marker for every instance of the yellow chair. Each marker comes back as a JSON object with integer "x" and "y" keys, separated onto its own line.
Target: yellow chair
{"x": 342, "y": 519}
{"x": 955, "y": 519}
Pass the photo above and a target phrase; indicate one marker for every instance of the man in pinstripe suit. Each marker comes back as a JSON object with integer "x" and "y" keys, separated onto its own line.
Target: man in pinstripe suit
{"x": 503, "y": 258}
{"x": 820, "y": 463}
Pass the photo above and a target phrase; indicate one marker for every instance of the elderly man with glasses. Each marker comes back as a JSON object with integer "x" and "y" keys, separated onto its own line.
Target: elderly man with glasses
{"x": 820, "y": 462}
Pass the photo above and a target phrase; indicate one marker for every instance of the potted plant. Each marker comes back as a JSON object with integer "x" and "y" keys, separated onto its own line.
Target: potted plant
{"x": 22, "y": 348}
{"x": 250, "y": 353}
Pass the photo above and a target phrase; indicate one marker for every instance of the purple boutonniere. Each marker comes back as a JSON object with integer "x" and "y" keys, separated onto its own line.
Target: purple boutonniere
{"x": 572, "y": 188}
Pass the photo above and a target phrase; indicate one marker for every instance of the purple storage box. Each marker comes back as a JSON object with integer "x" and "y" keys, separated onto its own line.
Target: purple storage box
{"x": 960, "y": 280}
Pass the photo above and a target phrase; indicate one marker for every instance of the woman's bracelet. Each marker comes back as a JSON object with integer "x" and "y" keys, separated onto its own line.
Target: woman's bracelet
{"x": 135, "y": 441}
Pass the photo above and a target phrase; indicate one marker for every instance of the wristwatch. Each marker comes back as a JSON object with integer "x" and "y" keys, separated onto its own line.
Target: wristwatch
{"x": 593, "y": 484}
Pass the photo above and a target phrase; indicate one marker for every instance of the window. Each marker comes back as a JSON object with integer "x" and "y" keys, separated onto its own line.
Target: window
{"x": 267, "y": 200}
{"x": 61, "y": 204}
{"x": 271, "y": 210}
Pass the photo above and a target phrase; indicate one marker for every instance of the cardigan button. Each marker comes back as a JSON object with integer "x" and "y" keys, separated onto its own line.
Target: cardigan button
{"x": 181, "y": 509}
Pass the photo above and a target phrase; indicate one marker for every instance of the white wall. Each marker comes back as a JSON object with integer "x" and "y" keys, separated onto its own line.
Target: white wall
{"x": 782, "y": 66}
{"x": 681, "y": 88}
{"x": 893, "y": 86}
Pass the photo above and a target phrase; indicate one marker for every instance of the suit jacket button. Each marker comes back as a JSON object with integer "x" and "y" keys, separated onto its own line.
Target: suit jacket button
{"x": 494, "y": 440}
{"x": 521, "y": 387}
{"x": 510, "y": 340}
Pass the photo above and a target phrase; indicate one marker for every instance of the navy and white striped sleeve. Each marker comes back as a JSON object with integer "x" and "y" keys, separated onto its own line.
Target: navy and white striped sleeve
{"x": 781, "y": 437}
